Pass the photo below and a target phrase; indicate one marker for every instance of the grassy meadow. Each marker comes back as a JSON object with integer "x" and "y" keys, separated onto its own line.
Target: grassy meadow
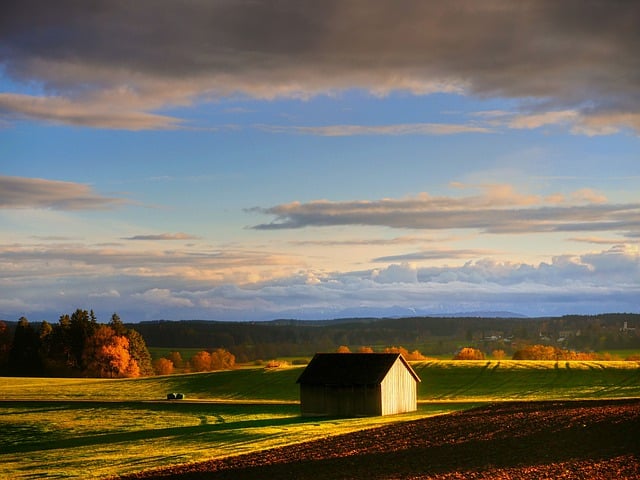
{"x": 89, "y": 428}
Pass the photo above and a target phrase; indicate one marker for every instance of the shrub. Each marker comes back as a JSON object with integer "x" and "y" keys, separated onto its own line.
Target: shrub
{"x": 469, "y": 353}
{"x": 498, "y": 354}
{"x": 163, "y": 366}
{"x": 276, "y": 364}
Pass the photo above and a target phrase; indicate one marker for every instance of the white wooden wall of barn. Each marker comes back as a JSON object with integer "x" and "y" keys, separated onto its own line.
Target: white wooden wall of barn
{"x": 399, "y": 390}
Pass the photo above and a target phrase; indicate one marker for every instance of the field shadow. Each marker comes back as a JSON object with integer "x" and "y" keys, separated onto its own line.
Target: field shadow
{"x": 243, "y": 431}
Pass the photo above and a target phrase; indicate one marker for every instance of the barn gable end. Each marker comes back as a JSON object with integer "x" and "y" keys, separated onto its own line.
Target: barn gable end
{"x": 353, "y": 384}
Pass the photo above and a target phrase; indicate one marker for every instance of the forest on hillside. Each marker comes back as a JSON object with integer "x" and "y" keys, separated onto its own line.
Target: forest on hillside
{"x": 250, "y": 341}
{"x": 78, "y": 346}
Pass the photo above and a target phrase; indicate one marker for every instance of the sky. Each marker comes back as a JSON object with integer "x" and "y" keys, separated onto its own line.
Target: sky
{"x": 260, "y": 159}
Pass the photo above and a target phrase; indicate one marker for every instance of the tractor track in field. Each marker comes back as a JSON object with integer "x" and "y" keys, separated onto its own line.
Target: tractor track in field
{"x": 593, "y": 439}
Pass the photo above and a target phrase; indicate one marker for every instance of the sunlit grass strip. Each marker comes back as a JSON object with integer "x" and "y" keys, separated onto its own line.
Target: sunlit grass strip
{"x": 527, "y": 380}
{"x": 441, "y": 380}
{"x": 98, "y": 442}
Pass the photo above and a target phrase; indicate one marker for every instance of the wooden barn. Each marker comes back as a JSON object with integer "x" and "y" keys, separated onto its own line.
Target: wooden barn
{"x": 358, "y": 384}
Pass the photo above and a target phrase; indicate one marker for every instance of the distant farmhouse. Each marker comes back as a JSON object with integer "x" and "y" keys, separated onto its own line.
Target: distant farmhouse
{"x": 358, "y": 384}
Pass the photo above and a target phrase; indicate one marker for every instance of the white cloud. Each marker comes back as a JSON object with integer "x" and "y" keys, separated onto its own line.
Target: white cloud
{"x": 404, "y": 273}
{"x": 163, "y": 297}
{"x": 113, "y": 293}
{"x": 607, "y": 280}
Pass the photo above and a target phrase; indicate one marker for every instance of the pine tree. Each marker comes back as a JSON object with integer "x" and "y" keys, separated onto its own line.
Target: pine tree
{"x": 139, "y": 352}
{"x": 24, "y": 356}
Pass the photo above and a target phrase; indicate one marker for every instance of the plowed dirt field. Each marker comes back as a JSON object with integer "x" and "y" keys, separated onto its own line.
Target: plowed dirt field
{"x": 517, "y": 440}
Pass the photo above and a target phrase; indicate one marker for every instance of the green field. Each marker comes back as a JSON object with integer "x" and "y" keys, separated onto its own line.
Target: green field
{"x": 84, "y": 428}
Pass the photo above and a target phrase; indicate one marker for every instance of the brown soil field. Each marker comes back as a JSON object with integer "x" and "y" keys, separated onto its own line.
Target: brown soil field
{"x": 515, "y": 440}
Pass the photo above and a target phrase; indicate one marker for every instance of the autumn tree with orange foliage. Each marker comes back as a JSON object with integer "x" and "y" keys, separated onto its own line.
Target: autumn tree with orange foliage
{"x": 365, "y": 350}
{"x": 343, "y": 349}
{"x": 163, "y": 366}
{"x": 469, "y": 353}
{"x": 219, "y": 359}
{"x": 201, "y": 361}
{"x": 412, "y": 357}
{"x": 176, "y": 359}
{"x": 222, "y": 359}
{"x": 498, "y": 354}
{"x": 106, "y": 355}
{"x": 547, "y": 352}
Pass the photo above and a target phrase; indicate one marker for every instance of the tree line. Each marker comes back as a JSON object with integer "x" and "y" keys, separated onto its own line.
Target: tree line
{"x": 541, "y": 352}
{"x": 202, "y": 361}
{"x": 76, "y": 346}
{"x": 433, "y": 336}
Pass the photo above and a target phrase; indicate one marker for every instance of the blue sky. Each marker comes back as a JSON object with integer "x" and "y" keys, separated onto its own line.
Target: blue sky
{"x": 251, "y": 160}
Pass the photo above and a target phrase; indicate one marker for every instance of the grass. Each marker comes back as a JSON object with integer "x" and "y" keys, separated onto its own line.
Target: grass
{"x": 88, "y": 428}
{"x": 90, "y": 440}
{"x": 490, "y": 380}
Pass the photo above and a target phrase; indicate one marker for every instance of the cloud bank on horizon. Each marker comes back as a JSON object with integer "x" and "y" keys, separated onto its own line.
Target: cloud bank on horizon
{"x": 257, "y": 159}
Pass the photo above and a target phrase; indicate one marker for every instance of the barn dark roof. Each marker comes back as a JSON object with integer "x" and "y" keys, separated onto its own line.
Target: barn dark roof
{"x": 350, "y": 368}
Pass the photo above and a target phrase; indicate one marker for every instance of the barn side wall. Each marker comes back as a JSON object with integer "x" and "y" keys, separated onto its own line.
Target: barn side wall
{"x": 399, "y": 390}
{"x": 343, "y": 401}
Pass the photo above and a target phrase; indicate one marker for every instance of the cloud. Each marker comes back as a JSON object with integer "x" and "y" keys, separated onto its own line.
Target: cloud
{"x": 91, "y": 265}
{"x": 590, "y": 123}
{"x": 588, "y": 283}
{"x": 537, "y": 120}
{"x": 163, "y": 236}
{"x": 436, "y": 254}
{"x": 403, "y": 273}
{"x": 38, "y": 193}
{"x": 89, "y": 112}
{"x": 163, "y": 297}
{"x": 124, "y": 61}
{"x": 393, "y": 130}
{"x": 601, "y": 241}
{"x": 499, "y": 209}
{"x": 369, "y": 241}
{"x": 113, "y": 293}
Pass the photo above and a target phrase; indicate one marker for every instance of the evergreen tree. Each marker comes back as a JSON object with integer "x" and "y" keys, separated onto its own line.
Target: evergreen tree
{"x": 117, "y": 325}
{"x": 82, "y": 326}
{"x": 24, "y": 356}
{"x": 5, "y": 346}
{"x": 61, "y": 361}
{"x": 139, "y": 352}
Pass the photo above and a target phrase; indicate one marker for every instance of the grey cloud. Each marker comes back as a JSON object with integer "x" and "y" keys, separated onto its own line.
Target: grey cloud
{"x": 392, "y": 130}
{"x": 61, "y": 259}
{"x": 21, "y": 192}
{"x": 436, "y": 254}
{"x": 370, "y": 241}
{"x": 83, "y": 112}
{"x": 438, "y": 213}
{"x": 163, "y": 236}
{"x": 563, "y": 55}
